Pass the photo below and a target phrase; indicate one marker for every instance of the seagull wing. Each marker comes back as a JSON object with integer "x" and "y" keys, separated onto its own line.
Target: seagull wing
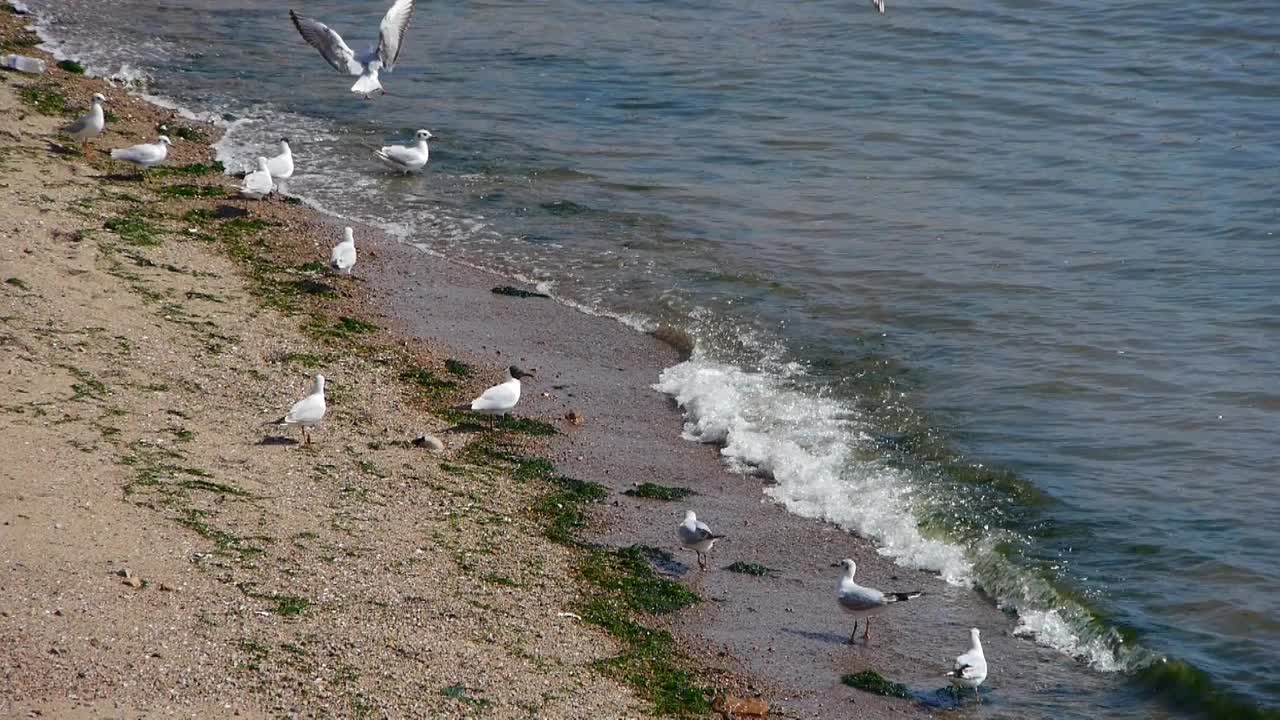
{"x": 704, "y": 532}
{"x": 343, "y": 255}
{"x": 859, "y": 598}
{"x": 400, "y": 155}
{"x": 78, "y": 126}
{"x": 329, "y": 43}
{"x": 309, "y": 409}
{"x": 391, "y": 34}
{"x": 498, "y": 397}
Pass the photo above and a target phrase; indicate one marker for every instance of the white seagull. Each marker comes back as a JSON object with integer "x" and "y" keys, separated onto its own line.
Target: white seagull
{"x": 281, "y": 166}
{"x": 257, "y": 184}
{"x": 90, "y": 125}
{"x": 343, "y": 256}
{"x": 863, "y": 602}
{"x": 970, "y": 668}
{"x": 696, "y": 535}
{"x": 144, "y": 155}
{"x": 407, "y": 157}
{"x": 368, "y": 63}
{"x": 501, "y": 398}
{"x": 307, "y": 412}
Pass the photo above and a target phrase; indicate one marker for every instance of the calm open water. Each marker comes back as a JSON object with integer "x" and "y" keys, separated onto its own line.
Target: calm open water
{"x": 1018, "y": 257}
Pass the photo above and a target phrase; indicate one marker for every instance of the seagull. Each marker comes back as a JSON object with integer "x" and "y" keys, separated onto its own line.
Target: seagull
{"x": 281, "y": 166}
{"x": 502, "y": 398}
{"x": 343, "y": 255}
{"x": 308, "y": 411}
{"x": 970, "y": 668}
{"x": 144, "y": 155}
{"x": 863, "y": 602}
{"x": 90, "y": 125}
{"x": 368, "y": 63}
{"x": 695, "y": 534}
{"x": 879, "y": 5}
{"x": 257, "y": 184}
{"x": 407, "y": 157}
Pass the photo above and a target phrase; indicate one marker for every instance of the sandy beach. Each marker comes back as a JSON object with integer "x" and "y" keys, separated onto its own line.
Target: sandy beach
{"x": 166, "y": 555}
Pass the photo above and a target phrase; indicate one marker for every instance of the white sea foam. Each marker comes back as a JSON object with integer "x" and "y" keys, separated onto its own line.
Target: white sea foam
{"x": 810, "y": 447}
{"x": 1049, "y": 628}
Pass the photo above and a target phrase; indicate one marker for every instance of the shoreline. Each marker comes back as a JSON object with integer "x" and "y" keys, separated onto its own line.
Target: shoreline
{"x": 714, "y": 626}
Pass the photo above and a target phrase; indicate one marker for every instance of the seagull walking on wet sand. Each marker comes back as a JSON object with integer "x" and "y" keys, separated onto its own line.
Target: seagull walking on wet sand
{"x": 258, "y": 184}
{"x": 343, "y": 256}
{"x": 144, "y": 155}
{"x": 368, "y": 63}
{"x": 970, "y": 668}
{"x": 863, "y": 602}
{"x": 695, "y": 534}
{"x": 501, "y": 398}
{"x": 89, "y": 125}
{"x": 407, "y": 158}
{"x": 307, "y": 412}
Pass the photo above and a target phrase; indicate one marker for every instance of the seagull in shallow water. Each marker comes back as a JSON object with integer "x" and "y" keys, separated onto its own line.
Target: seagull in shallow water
{"x": 407, "y": 158}
{"x": 144, "y": 155}
{"x": 281, "y": 166}
{"x": 89, "y": 125}
{"x": 257, "y": 184}
{"x": 343, "y": 256}
{"x": 695, "y": 534}
{"x": 365, "y": 64}
{"x": 863, "y": 602}
{"x": 307, "y": 412}
{"x": 970, "y": 668}
{"x": 501, "y": 398}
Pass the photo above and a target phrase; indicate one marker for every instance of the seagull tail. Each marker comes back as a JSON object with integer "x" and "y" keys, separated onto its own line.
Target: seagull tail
{"x": 281, "y": 421}
{"x": 903, "y": 596}
{"x": 713, "y": 536}
{"x": 367, "y": 84}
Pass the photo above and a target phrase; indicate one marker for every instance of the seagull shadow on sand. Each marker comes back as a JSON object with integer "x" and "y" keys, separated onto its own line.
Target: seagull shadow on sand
{"x": 62, "y": 150}
{"x": 273, "y": 440}
{"x": 822, "y": 637}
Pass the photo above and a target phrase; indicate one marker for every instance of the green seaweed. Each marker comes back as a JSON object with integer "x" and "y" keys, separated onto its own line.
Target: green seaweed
{"x": 185, "y": 190}
{"x": 517, "y": 292}
{"x": 45, "y": 99}
{"x": 426, "y": 380}
{"x": 459, "y": 368}
{"x": 18, "y": 283}
{"x": 875, "y": 683}
{"x": 72, "y": 67}
{"x": 134, "y": 229}
{"x": 189, "y": 170}
{"x": 459, "y": 692}
{"x": 653, "y": 491}
{"x": 747, "y": 568}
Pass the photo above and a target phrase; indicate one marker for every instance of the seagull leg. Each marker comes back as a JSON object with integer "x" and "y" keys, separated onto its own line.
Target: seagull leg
{"x": 702, "y": 560}
{"x": 306, "y": 436}
{"x": 866, "y": 630}
{"x": 853, "y": 637}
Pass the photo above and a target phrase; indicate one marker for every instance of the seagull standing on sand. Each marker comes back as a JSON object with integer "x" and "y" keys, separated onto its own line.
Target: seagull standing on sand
{"x": 281, "y": 166}
{"x": 863, "y": 602}
{"x": 144, "y": 155}
{"x": 90, "y": 125}
{"x": 407, "y": 158}
{"x": 970, "y": 668}
{"x": 368, "y": 63}
{"x": 343, "y": 256}
{"x": 501, "y": 398}
{"x": 307, "y": 412}
{"x": 695, "y": 534}
{"x": 257, "y": 184}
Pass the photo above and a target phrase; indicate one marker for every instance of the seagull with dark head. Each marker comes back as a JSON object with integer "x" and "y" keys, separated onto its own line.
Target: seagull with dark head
{"x": 863, "y": 602}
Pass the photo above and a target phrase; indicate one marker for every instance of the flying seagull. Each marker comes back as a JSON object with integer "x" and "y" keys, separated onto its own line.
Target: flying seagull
{"x": 90, "y": 125}
{"x": 695, "y": 534}
{"x": 863, "y": 602}
{"x": 501, "y": 398}
{"x": 343, "y": 256}
{"x": 144, "y": 155}
{"x": 970, "y": 668}
{"x": 407, "y": 158}
{"x": 365, "y": 64}
{"x": 307, "y": 412}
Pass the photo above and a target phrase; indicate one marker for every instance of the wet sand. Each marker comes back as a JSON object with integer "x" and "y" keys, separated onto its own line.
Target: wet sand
{"x": 786, "y": 632}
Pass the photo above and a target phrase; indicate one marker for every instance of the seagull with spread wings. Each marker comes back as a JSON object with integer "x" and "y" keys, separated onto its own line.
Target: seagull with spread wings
{"x": 365, "y": 64}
